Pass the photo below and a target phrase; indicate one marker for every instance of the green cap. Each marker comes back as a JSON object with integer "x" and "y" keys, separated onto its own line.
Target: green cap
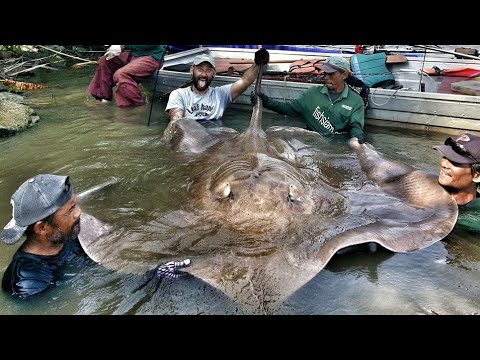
{"x": 204, "y": 58}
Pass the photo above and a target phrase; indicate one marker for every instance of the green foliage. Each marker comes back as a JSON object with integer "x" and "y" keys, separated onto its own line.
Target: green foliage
{"x": 13, "y": 48}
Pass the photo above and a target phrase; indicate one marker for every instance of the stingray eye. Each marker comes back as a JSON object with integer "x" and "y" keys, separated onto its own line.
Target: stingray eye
{"x": 224, "y": 191}
{"x": 293, "y": 194}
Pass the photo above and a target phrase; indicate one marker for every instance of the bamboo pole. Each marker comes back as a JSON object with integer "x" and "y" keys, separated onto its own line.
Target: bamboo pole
{"x": 79, "y": 65}
{"x": 63, "y": 54}
{"x": 33, "y": 68}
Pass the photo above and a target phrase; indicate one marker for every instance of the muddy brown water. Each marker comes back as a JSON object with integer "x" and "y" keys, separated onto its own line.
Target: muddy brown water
{"x": 95, "y": 142}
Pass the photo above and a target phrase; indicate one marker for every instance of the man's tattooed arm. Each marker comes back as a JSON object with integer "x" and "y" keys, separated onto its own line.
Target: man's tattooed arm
{"x": 174, "y": 114}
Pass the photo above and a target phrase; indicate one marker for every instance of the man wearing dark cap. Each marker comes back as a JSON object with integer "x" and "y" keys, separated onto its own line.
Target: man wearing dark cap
{"x": 331, "y": 109}
{"x": 45, "y": 210}
{"x": 460, "y": 176}
{"x": 203, "y": 102}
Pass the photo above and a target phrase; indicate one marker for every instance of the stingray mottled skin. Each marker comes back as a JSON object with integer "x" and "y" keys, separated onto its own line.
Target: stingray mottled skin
{"x": 267, "y": 210}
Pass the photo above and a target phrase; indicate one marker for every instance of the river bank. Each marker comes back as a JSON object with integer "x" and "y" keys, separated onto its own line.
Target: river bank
{"x": 20, "y": 67}
{"x": 15, "y": 115}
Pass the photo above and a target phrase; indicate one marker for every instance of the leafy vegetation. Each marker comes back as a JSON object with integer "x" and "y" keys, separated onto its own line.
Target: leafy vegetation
{"x": 16, "y": 49}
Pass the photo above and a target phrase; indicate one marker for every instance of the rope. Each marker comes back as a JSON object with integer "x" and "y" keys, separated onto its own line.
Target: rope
{"x": 379, "y": 105}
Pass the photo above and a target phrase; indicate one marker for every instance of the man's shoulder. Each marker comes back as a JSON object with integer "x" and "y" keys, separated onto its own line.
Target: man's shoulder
{"x": 473, "y": 205}
{"x": 25, "y": 263}
{"x": 22, "y": 257}
{"x": 179, "y": 92}
{"x": 175, "y": 97}
{"x": 219, "y": 92}
{"x": 315, "y": 92}
{"x": 26, "y": 275}
{"x": 320, "y": 89}
{"x": 354, "y": 96}
{"x": 221, "y": 88}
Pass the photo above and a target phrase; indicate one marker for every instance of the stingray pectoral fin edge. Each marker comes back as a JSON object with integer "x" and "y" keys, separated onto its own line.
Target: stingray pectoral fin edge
{"x": 91, "y": 230}
{"x": 397, "y": 237}
{"x": 417, "y": 188}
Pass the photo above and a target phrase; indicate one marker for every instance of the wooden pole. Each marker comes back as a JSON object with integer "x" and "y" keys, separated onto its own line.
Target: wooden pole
{"x": 79, "y": 65}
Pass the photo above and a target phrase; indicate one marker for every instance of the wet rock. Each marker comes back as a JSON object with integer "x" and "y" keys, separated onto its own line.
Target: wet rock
{"x": 15, "y": 116}
{"x": 5, "y": 54}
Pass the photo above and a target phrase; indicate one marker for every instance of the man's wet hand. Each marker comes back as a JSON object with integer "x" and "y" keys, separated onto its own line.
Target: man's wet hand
{"x": 262, "y": 57}
{"x": 253, "y": 98}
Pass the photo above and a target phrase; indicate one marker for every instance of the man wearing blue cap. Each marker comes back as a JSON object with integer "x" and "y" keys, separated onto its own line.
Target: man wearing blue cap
{"x": 45, "y": 210}
{"x": 203, "y": 102}
{"x": 331, "y": 109}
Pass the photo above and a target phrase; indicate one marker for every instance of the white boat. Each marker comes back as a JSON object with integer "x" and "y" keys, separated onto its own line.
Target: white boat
{"x": 419, "y": 100}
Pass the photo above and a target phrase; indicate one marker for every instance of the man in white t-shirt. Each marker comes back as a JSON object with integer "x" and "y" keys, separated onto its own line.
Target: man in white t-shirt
{"x": 202, "y": 102}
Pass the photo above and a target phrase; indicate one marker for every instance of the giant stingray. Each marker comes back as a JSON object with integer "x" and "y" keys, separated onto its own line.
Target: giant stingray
{"x": 267, "y": 210}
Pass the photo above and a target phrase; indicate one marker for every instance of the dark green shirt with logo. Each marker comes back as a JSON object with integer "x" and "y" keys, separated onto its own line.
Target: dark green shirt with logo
{"x": 344, "y": 115}
{"x": 469, "y": 216}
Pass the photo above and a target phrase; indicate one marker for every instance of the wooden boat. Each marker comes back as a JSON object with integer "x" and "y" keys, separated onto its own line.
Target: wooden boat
{"x": 418, "y": 99}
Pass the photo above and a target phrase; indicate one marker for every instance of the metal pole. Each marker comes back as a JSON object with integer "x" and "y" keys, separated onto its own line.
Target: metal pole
{"x": 448, "y": 52}
{"x": 153, "y": 93}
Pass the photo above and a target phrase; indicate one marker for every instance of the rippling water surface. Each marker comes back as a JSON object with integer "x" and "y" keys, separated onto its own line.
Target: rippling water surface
{"x": 95, "y": 142}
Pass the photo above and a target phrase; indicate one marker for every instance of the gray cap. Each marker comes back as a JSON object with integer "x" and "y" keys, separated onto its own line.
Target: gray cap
{"x": 34, "y": 200}
{"x": 204, "y": 58}
{"x": 335, "y": 63}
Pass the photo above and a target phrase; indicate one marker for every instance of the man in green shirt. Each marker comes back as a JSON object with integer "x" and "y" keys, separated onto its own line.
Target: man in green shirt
{"x": 460, "y": 176}
{"x": 123, "y": 67}
{"x": 330, "y": 109}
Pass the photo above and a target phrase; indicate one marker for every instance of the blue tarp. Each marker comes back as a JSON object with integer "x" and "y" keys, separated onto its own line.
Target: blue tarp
{"x": 177, "y": 48}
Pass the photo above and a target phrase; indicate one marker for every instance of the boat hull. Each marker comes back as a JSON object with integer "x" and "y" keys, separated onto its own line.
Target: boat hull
{"x": 405, "y": 107}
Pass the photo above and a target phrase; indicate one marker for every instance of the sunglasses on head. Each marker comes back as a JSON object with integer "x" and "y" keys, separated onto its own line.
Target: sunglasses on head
{"x": 459, "y": 149}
